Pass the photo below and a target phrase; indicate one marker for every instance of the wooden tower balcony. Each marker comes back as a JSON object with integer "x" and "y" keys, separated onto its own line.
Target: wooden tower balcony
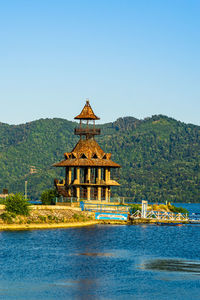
{"x": 87, "y": 131}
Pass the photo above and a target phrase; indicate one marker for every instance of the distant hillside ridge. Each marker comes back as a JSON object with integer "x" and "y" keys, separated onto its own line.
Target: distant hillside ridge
{"x": 160, "y": 157}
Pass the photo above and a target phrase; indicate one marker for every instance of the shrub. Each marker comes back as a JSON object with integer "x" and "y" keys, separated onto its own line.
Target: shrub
{"x": 163, "y": 207}
{"x": 177, "y": 209}
{"x": 155, "y": 207}
{"x": 42, "y": 218}
{"x": 8, "y": 217}
{"x": 48, "y": 196}
{"x": 17, "y": 204}
{"x": 79, "y": 217}
{"x": 56, "y": 219}
{"x": 50, "y": 218}
{"x": 2, "y": 200}
{"x": 134, "y": 208}
{"x": 76, "y": 217}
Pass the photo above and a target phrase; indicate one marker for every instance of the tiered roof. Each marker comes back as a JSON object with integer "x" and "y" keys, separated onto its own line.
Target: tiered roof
{"x": 87, "y": 113}
{"x": 87, "y": 153}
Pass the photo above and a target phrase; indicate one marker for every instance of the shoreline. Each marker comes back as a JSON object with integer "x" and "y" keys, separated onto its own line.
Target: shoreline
{"x": 13, "y": 227}
{"x": 46, "y": 226}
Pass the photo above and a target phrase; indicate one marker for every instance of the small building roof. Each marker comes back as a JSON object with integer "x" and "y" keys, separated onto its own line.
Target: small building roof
{"x": 87, "y": 113}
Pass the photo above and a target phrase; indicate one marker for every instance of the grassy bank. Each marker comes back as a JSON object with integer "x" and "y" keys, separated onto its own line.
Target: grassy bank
{"x": 45, "y": 217}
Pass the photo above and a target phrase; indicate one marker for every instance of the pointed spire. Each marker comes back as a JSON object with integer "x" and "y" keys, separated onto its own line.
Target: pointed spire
{"x": 87, "y": 113}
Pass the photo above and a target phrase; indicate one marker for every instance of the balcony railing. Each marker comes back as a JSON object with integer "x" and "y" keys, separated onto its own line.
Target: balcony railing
{"x": 87, "y": 131}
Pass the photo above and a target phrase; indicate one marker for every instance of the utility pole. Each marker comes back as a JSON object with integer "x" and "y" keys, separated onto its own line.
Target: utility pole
{"x": 33, "y": 170}
{"x": 26, "y": 189}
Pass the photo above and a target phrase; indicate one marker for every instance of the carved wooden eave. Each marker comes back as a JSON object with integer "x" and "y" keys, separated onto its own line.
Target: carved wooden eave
{"x": 82, "y": 162}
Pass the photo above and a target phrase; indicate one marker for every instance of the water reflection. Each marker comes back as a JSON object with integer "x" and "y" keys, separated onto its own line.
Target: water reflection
{"x": 172, "y": 265}
{"x": 85, "y": 262}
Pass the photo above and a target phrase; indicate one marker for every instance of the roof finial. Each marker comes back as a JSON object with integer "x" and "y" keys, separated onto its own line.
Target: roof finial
{"x": 87, "y": 101}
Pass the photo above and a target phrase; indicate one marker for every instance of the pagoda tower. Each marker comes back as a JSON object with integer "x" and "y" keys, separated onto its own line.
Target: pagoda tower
{"x": 87, "y": 166}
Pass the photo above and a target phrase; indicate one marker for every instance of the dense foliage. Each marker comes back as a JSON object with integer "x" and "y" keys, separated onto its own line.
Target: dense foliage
{"x": 160, "y": 157}
{"x": 48, "y": 196}
{"x": 17, "y": 204}
{"x": 177, "y": 209}
{"x": 134, "y": 208}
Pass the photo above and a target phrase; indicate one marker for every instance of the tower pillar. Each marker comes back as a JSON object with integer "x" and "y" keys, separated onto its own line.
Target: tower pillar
{"x": 99, "y": 188}
{"x": 106, "y": 195}
{"x": 88, "y": 192}
{"x": 99, "y": 193}
{"x": 89, "y": 174}
{"x": 99, "y": 174}
{"x": 78, "y": 175}
{"x": 78, "y": 182}
{"x": 88, "y": 181}
{"x": 68, "y": 177}
{"x": 78, "y": 193}
{"x": 106, "y": 175}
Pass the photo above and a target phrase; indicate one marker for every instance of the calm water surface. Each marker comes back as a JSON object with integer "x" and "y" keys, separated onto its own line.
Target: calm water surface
{"x": 102, "y": 262}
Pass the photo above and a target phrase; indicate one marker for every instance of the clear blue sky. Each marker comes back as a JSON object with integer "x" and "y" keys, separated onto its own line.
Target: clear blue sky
{"x": 129, "y": 57}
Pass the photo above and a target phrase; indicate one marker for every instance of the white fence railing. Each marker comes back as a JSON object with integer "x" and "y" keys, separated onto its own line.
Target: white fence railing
{"x": 161, "y": 215}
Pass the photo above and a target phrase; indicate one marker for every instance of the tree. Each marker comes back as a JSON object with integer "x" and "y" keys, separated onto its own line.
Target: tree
{"x": 48, "y": 196}
{"x": 17, "y": 204}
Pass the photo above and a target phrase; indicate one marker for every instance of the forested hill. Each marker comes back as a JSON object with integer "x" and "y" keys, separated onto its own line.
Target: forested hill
{"x": 160, "y": 157}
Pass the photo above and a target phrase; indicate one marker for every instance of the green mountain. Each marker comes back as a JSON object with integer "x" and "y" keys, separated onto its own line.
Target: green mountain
{"x": 160, "y": 157}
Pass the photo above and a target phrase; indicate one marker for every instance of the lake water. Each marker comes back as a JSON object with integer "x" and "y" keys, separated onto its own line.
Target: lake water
{"x": 102, "y": 262}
